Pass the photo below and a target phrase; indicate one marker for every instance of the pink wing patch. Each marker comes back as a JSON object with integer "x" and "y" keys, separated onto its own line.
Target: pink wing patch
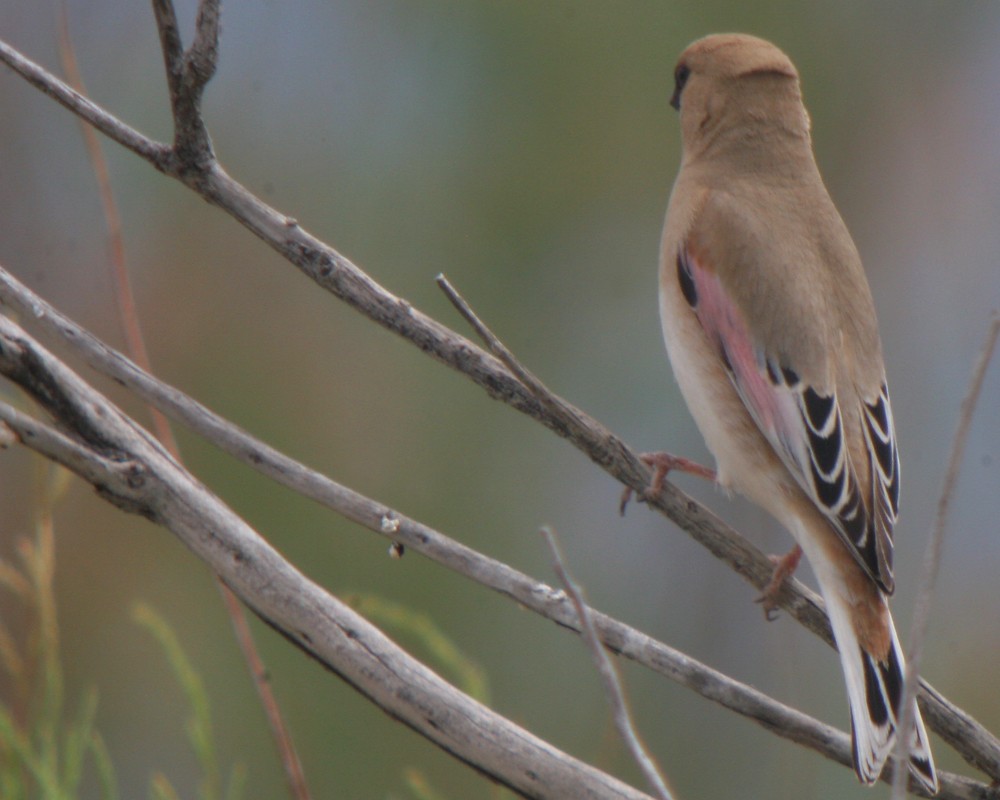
{"x": 804, "y": 426}
{"x": 724, "y": 324}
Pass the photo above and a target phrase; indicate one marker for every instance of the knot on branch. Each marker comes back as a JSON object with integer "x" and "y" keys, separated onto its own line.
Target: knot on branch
{"x": 127, "y": 491}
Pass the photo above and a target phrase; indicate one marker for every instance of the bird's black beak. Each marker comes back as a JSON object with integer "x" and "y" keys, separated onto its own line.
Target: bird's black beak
{"x": 675, "y": 100}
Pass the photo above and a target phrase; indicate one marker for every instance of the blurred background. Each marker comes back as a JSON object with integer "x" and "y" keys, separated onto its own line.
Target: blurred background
{"x": 527, "y": 151}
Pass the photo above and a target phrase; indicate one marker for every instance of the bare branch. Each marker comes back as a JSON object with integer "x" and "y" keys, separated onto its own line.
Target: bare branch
{"x": 203, "y": 56}
{"x": 132, "y": 469}
{"x": 187, "y": 74}
{"x": 609, "y": 676}
{"x": 55, "y": 445}
{"x": 932, "y": 556}
{"x": 562, "y": 412}
{"x": 170, "y": 44}
{"x": 379, "y": 518}
{"x": 154, "y": 152}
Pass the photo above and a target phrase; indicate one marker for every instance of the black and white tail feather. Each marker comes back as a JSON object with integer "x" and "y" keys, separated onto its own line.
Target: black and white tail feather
{"x": 874, "y": 692}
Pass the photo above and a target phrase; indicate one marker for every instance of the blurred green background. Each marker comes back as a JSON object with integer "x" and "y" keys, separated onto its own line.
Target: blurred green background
{"x": 527, "y": 151}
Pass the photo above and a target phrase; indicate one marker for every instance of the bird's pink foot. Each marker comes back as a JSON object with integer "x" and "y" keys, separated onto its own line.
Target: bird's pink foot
{"x": 784, "y": 566}
{"x": 662, "y": 464}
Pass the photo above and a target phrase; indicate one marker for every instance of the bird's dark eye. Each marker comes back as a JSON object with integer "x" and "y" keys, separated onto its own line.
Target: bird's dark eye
{"x": 681, "y": 75}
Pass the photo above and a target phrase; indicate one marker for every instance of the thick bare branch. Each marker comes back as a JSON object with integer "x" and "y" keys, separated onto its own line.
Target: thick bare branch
{"x": 417, "y": 537}
{"x": 134, "y": 471}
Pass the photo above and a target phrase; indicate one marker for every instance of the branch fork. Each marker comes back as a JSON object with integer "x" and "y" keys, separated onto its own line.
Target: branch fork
{"x": 188, "y": 72}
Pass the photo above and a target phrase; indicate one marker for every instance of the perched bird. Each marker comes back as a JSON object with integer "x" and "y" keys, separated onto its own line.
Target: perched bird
{"x": 771, "y": 331}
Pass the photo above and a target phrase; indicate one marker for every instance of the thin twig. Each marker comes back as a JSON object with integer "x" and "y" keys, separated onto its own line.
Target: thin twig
{"x": 609, "y": 675}
{"x": 203, "y": 56}
{"x": 170, "y": 44}
{"x": 499, "y": 349}
{"x": 932, "y": 556}
{"x": 154, "y": 152}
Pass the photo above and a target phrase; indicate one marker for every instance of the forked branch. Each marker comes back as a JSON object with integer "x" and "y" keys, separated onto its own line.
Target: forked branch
{"x": 188, "y": 72}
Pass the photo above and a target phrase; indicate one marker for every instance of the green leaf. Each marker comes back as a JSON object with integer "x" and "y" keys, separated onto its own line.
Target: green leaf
{"x": 78, "y": 738}
{"x": 161, "y": 789}
{"x": 199, "y": 726}
{"x": 105, "y": 769}
{"x": 41, "y": 770}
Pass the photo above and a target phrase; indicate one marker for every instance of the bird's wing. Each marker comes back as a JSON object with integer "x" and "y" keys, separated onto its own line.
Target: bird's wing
{"x": 805, "y": 426}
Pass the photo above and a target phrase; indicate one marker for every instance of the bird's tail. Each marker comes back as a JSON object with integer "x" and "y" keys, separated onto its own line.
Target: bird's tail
{"x": 874, "y": 690}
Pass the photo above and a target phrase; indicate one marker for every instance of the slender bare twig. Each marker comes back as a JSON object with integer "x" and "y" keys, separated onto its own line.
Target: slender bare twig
{"x": 335, "y": 273}
{"x": 155, "y": 153}
{"x": 561, "y": 411}
{"x": 932, "y": 556}
{"x": 609, "y": 675}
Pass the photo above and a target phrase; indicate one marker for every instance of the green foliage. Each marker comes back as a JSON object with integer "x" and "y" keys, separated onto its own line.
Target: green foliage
{"x": 418, "y": 786}
{"x": 42, "y": 753}
{"x": 199, "y": 726}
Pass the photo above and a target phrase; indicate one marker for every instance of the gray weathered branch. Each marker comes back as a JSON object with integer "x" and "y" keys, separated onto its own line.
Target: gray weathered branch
{"x": 417, "y": 537}
{"x": 132, "y": 470}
